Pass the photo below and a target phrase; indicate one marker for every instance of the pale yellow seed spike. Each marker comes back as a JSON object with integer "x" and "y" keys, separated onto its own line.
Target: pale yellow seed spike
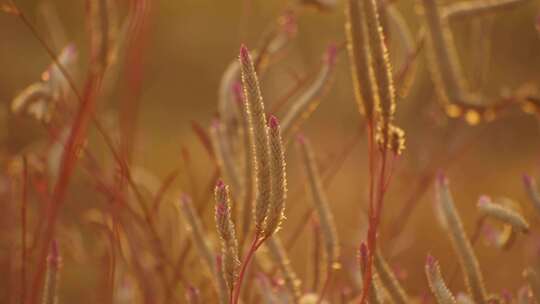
{"x": 443, "y": 59}
{"x": 468, "y": 261}
{"x": 436, "y": 282}
{"x": 503, "y": 213}
{"x": 396, "y": 142}
{"x": 254, "y": 107}
{"x": 279, "y": 179}
{"x": 248, "y": 176}
{"x": 359, "y": 55}
{"x": 227, "y": 234}
{"x": 381, "y": 67}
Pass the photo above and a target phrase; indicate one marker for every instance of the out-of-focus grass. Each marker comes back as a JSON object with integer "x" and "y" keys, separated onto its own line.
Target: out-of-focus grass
{"x": 192, "y": 42}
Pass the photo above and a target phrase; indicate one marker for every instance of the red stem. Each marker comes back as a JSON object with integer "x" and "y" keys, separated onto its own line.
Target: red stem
{"x": 23, "y": 232}
{"x": 257, "y": 242}
{"x": 371, "y": 157}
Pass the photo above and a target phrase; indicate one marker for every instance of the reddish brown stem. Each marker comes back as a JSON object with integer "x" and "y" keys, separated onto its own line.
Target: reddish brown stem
{"x": 371, "y": 156}
{"x": 257, "y": 242}
{"x": 23, "y": 228}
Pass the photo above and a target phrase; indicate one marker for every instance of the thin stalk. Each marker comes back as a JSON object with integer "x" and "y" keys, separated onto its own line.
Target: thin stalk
{"x": 371, "y": 156}
{"x": 23, "y": 228}
{"x": 257, "y": 242}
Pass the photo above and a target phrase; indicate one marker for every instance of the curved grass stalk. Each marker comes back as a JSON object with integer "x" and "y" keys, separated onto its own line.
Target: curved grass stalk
{"x": 320, "y": 202}
{"x": 442, "y": 54}
{"x": 389, "y": 281}
{"x": 466, "y": 9}
{"x": 224, "y": 156}
{"x": 309, "y": 100}
{"x": 462, "y": 246}
{"x": 503, "y": 213}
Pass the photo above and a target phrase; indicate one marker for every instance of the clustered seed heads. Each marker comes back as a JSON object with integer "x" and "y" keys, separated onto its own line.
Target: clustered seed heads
{"x": 372, "y": 72}
{"x": 444, "y": 63}
{"x": 254, "y": 107}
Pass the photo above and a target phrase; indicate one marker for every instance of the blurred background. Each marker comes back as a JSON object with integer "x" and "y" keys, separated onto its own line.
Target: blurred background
{"x": 189, "y": 46}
